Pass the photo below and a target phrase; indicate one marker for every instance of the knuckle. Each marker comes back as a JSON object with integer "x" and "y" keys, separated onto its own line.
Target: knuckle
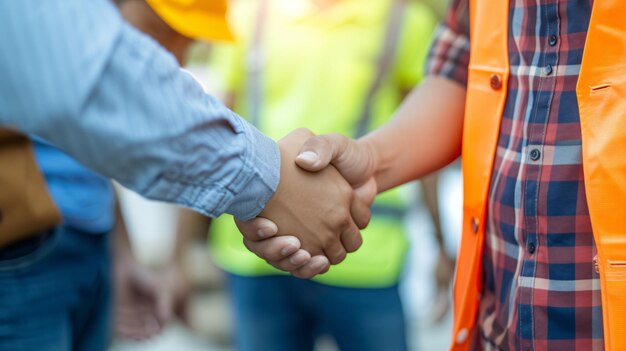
{"x": 335, "y": 252}
{"x": 304, "y": 131}
{"x": 324, "y": 141}
{"x": 344, "y": 219}
{"x": 280, "y": 265}
{"x": 361, "y": 215}
{"x": 346, "y": 190}
{"x": 354, "y": 242}
{"x": 336, "y": 136}
{"x": 339, "y": 257}
{"x": 341, "y": 217}
{"x": 301, "y": 274}
{"x": 249, "y": 245}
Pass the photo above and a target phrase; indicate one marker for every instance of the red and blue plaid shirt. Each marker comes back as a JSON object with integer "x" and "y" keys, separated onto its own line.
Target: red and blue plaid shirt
{"x": 541, "y": 290}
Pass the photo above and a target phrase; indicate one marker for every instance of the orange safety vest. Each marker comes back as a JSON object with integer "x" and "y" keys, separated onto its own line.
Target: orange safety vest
{"x": 601, "y": 92}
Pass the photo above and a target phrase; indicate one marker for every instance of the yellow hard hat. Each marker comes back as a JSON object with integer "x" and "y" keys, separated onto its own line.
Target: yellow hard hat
{"x": 195, "y": 19}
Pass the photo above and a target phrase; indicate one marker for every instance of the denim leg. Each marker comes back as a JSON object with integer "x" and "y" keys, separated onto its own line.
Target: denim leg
{"x": 358, "y": 319}
{"x": 266, "y": 315}
{"x": 287, "y": 313}
{"x": 92, "y": 320}
{"x": 43, "y": 291}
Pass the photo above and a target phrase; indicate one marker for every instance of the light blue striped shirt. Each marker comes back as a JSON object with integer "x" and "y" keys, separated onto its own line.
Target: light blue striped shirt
{"x": 74, "y": 73}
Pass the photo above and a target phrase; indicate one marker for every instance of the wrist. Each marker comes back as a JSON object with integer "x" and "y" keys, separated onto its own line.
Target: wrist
{"x": 372, "y": 157}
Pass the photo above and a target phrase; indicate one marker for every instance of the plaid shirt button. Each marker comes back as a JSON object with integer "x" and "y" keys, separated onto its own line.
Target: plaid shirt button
{"x": 548, "y": 70}
{"x": 535, "y": 154}
{"x": 553, "y": 40}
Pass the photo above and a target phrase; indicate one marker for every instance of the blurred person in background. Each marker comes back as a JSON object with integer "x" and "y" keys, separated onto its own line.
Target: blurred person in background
{"x": 333, "y": 65}
{"x": 77, "y": 75}
{"x": 65, "y": 282}
{"x": 145, "y": 300}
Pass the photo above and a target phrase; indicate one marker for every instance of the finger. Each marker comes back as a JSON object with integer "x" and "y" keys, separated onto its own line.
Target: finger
{"x": 130, "y": 313}
{"x": 351, "y": 238}
{"x": 317, "y": 265}
{"x": 273, "y": 249}
{"x": 318, "y": 152}
{"x": 183, "y": 313}
{"x": 335, "y": 252}
{"x": 354, "y": 160}
{"x": 140, "y": 327}
{"x": 367, "y": 192}
{"x": 293, "y": 262}
{"x": 361, "y": 213}
{"x": 132, "y": 332}
{"x": 164, "y": 306}
{"x": 258, "y": 228}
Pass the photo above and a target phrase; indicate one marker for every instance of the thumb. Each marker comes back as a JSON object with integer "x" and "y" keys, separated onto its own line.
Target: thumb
{"x": 351, "y": 158}
{"x": 320, "y": 151}
{"x": 256, "y": 229}
{"x": 367, "y": 192}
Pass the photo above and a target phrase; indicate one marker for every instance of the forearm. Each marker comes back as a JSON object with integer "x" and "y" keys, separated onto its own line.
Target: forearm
{"x": 75, "y": 74}
{"x": 424, "y": 136}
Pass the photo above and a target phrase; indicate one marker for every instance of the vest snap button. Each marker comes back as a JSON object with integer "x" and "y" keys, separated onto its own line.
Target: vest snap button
{"x": 495, "y": 81}
{"x": 462, "y": 335}
{"x": 475, "y": 225}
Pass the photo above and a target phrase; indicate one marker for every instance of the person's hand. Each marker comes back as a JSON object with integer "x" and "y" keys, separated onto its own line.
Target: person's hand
{"x": 145, "y": 301}
{"x": 175, "y": 291}
{"x": 320, "y": 209}
{"x": 355, "y": 162}
{"x": 282, "y": 252}
{"x": 444, "y": 273}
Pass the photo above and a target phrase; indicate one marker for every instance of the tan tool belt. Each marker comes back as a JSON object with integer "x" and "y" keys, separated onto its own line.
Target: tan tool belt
{"x": 26, "y": 208}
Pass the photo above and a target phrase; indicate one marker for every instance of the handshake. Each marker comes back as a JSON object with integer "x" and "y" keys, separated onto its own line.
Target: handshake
{"x": 326, "y": 187}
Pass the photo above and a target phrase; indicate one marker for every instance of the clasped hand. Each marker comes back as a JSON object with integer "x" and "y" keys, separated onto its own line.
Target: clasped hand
{"x": 326, "y": 188}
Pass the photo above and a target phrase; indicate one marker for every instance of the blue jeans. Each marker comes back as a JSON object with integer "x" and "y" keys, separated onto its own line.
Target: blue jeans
{"x": 55, "y": 293}
{"x": 283, "y": 313}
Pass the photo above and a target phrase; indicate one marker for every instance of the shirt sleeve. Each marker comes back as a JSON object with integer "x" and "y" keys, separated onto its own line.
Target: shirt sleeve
{"x": 450, "y": 50}
{"x": 77, "y": 75}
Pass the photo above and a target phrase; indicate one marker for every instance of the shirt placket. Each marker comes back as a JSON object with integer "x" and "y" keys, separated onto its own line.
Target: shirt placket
{"x": 542, "y": 89}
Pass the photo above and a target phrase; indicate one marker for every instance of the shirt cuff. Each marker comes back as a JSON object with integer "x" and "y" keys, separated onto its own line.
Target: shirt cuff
{"x": 245, "y": 194}
{"x": 262, "y": 164}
